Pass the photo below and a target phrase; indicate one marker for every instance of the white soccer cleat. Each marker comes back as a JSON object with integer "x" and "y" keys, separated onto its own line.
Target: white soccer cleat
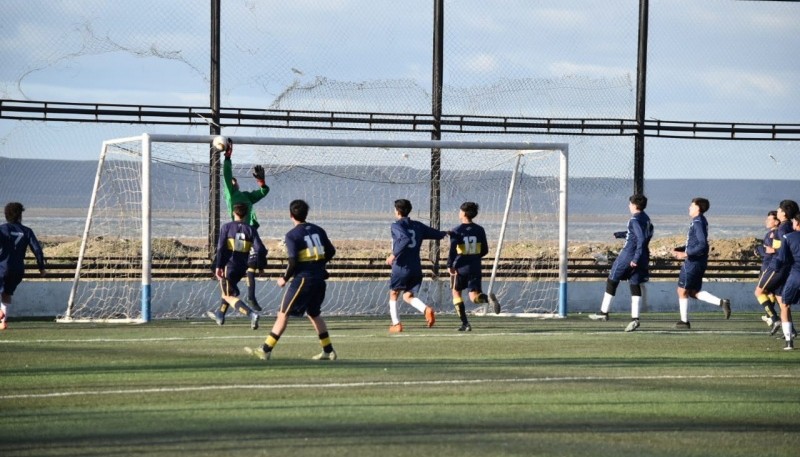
{"x": 325, "y": 356}
{"x": 632, "y": 326}
{"x": 258, "y": 353}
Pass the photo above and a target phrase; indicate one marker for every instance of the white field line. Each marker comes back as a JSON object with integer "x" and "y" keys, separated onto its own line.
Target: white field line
{"x": 348, "y": 385}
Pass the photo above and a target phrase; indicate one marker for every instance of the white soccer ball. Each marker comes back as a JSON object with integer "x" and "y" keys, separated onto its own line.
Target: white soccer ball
{"x": 220, "y": 143}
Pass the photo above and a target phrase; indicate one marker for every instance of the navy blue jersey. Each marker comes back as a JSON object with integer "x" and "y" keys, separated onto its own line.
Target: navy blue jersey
{"x": 788, "y": 258}
{"x": 237, "y": 241}
{"x": 407, "y": 236}
{"x": 309, "y": 249}
{"x": 777, "y": 243}
{"x": 766, "y": 257}
{"x": 697, "y": 239}
{"x": 14, "y": 241}
{"x": 637, "y": 240}
{"x": 468, "y": 245}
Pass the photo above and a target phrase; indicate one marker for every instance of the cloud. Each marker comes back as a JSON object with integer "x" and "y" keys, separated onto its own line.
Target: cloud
{"x": 481, "y": 63}
{"x": 740, "y": 83}
{"x": 599, "y": 71}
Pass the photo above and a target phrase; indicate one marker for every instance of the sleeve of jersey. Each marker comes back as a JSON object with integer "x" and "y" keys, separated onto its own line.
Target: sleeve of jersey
{"x": 221, "y": 257}
{"x": 701, "y": 243}
{"x": 484, "y": 245}
{"x": 400, "y": 240}
{"x": 453, "y": 251}
{"x": 258, "y": 194}
{"x": 330, "y": 249}
{"x": 227, "y": 178}
{"x": 636, "y": 228}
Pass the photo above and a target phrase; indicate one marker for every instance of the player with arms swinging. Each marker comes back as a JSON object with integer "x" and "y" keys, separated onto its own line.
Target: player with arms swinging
{"x": 15, "y": 239}
{"x": 406, "y": 278}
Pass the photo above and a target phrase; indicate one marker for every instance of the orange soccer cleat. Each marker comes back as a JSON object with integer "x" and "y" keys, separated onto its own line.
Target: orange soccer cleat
{"x": 430, "y": 316}
{"x": 396, "y": 328}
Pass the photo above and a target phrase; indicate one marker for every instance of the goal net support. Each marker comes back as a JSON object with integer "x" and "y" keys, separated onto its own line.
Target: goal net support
{"x": 143, "y": 253}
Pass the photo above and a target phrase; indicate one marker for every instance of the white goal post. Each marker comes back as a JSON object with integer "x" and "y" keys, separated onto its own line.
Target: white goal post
{"x": 132, "y": 171}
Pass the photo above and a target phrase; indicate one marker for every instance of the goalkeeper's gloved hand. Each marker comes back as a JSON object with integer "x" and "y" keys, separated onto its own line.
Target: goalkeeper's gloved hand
{"x": 229, "y": 149}
{"x": 258, "y": 173}
{"x": 620, "y": 234}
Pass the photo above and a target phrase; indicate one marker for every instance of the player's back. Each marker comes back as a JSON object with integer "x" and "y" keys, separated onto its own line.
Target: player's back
{"x": 236, "y": 240}
{"x": 310, "y": 246}
{"x": 783, "y": 229}
{"x": 14, "y": 241}
{"x": 790, "y": 252}
{"x": 407, "y": 237}
{"x": 468, "y": 244}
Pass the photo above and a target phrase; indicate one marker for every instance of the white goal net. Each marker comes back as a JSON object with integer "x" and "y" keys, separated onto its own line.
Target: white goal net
{"x": 145, "y": 254}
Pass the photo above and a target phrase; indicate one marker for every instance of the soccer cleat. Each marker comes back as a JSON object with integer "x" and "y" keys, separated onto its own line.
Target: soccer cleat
{"x": 430, "y": 316}
{"x": 775, "y": 327}
{"x": 766, "y": 319}
{"x": 258, "y": 353}
{"x": 465, "y": 328}
{"x": 632, "y": 326}
{"x": 253, "y": 303}
{"x": 254, "y": 321}
{"x": 325, "y": 356}
{"x": 495, "y": 303}
{"x": 599, "y": 317}
{"x": 396, "y": 328}
{"x": 216, "y": 316}
{"x": 726, "y": 307}
{"x": 681, "y": 325}
{"x": 789, "y": 346}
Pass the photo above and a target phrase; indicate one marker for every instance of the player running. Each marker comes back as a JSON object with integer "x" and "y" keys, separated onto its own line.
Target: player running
{"x": 468, "y": 245}
{"x": 15, "y": 239}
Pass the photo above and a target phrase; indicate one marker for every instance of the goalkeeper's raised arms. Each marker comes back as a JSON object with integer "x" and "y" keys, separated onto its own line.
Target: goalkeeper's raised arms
{"x": 229, "y": 149}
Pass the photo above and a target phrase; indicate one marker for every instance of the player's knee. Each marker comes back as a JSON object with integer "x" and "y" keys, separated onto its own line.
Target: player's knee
{"x": 611, "y": 287}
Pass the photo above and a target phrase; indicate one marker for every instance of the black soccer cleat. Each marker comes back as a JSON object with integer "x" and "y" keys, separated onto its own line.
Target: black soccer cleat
{"x": 726, "y": 307}
{"x": 681, "y": 325}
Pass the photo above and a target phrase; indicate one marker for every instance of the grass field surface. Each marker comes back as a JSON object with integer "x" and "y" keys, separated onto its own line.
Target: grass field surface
{"x": 570, "y": 387}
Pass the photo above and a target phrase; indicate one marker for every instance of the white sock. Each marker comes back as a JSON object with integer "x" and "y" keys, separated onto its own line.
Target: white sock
{"x": 393, "y": 312}
{"x": 4, "y": 309}
{"x": 709, "y": 298}
{"x": 787, "y": 330}
{"x": 606, "y": 305}
{"x": 683, "y": 303}
{"x": 635, "y": 300}
{"x": 418, "y": 304}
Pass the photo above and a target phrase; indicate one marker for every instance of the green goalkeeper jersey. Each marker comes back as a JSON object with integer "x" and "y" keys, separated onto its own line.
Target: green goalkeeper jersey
{"x": 234, "y": 196}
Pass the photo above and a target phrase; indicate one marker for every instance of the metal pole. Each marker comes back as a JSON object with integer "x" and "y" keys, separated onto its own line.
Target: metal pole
{"x": 436, "y": 134}
{"x": 503, "y": 225}
{"x": 214, "y": 129}
{"x": 641, "y": 86}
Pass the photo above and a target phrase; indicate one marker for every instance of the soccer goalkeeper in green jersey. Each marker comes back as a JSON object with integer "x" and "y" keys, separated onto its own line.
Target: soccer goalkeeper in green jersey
{"x": 234, "y": 196}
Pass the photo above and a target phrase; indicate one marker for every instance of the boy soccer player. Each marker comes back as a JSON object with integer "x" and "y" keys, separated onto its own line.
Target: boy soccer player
{"x": 236, "y": 240}
{"x": 309, "y": 249}
{"x": 774, "y": 275}
{"x": 695, "y": 261}
{"x": 468, "y": 245}
{"x": 406, "y": 278}
{"x": 15, "y": 239}
{"x": 633, "y": 262}
{"x": 766, "y": 251}
{"x": 233, "y": 196}
{"x": 788, "y": 257}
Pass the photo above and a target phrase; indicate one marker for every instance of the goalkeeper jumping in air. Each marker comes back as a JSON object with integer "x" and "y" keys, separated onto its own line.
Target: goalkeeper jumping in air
{"x": 234, "y": 196}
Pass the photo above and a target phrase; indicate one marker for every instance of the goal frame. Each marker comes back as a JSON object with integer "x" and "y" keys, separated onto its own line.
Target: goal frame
{"x": 147, "y": 139}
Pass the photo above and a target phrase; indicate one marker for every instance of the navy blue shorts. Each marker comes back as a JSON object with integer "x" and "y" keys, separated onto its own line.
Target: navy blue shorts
{"x": 229, "y": 284}
{"x": 771, "y": 281}
{"x": 621, "y": 270}
{"x": 791, "y": 290}
{"x": 471, "y": 281}
{"x": 303, "y": 296}
{"x": 691, "y": 275}
{"x": 409, "y": 282}
{"x": 10, "y": 281}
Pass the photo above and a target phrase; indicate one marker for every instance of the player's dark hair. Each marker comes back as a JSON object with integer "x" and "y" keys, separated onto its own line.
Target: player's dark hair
{"x": 789, "y": 208}
{"x": 797, "y": 217}
{"x": 299, "y": 210}
{"x": 403, "y": 207}
{"x": 470, "y": 209}
{"x": 772, "y": 214}
{"x": 14, "y": 212}
{"x": 240, "y": 209}
{"x": 639, "y": 201}
{"x": 702, "y": 203}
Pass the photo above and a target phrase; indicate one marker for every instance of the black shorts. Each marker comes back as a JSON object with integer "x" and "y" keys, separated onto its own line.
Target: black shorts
{"x": 9, "y": 281}
{"x": 470, "y": 281}
{"x": 304, "y": 296}
{"x": 229, "y": 284}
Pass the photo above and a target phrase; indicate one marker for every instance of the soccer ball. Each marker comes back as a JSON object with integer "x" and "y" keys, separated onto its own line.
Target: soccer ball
{"x": 220, "y": 143}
